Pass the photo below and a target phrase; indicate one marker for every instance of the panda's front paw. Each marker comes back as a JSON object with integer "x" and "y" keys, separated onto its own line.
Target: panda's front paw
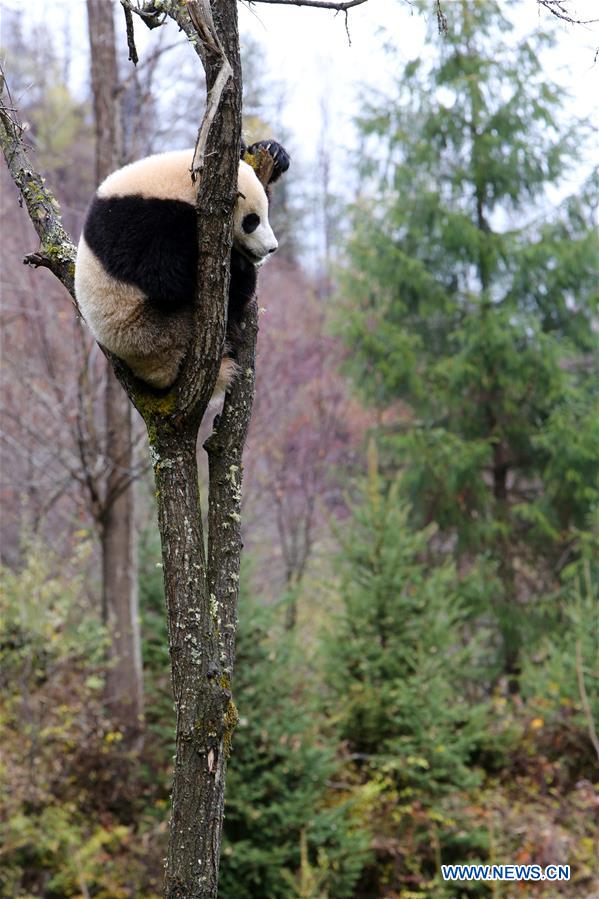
{"x": 277, "y": 153}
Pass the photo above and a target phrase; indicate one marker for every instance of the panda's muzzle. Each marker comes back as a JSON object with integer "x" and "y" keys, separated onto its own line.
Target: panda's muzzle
{"x": 255, "y": 258}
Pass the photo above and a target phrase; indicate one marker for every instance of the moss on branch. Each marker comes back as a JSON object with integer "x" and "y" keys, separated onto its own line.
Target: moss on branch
{"x": 57, "y": 251}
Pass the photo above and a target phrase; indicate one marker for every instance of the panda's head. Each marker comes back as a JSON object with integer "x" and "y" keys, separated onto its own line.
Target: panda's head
{"x": 252, "y": 235}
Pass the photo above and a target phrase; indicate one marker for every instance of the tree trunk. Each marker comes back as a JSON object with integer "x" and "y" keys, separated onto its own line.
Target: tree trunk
{"x": 200, "y": 592}
{"x": 124, "y": 683}
{"x": 206, "y": 714}
{"x": 201, "y": 598}
{"x": 124, "y": 687}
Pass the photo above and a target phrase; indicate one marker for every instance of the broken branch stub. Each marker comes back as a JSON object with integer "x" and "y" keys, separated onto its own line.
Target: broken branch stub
{"x": 262, "y": 163}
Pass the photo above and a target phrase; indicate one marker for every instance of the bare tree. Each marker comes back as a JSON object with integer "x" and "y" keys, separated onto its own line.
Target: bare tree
{"x": 200, "y": 586}
{"x": 116, "y": 515}
{"x": 200, "y": 591}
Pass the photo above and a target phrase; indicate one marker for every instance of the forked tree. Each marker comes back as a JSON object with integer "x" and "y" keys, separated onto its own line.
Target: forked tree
{"x": 201, "y": 580}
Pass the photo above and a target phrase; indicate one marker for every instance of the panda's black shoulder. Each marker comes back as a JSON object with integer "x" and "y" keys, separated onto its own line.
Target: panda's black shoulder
{"x": 148, "y": 242}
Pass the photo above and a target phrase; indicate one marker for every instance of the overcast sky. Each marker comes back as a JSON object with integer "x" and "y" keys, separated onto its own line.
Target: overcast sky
{"x": 309, "y": 50}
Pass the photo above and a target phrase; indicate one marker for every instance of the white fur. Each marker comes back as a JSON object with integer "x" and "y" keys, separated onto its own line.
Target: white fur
{"x": 252, "y": 198}
{"x": 164, "y": 176}
{"x": 119, "y": 318}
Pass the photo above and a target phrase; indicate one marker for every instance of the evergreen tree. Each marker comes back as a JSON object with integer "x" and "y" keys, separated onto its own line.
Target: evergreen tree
{"x": 471, "y": 301}
{"x": 282, "y": 830}
{"x": 403, "y": 672}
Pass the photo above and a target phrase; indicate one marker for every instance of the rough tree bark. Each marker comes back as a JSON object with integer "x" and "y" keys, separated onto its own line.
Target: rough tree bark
{"x": 118, "y": 536}
{"x": 201, "y": 593}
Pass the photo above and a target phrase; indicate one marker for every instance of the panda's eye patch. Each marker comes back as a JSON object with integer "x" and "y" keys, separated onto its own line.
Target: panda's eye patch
{"x": 250, "y": 222}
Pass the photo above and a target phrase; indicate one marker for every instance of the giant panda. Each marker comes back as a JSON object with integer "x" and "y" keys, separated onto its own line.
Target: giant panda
{"x": 136, "y": 266}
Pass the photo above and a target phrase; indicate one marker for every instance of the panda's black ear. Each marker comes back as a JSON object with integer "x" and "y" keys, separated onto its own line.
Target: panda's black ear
{"x": 277, "y": 153}
{"x": 243, "y": 149}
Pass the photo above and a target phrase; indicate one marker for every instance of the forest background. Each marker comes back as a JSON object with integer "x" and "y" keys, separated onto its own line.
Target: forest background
{"x": 418, "y": 647}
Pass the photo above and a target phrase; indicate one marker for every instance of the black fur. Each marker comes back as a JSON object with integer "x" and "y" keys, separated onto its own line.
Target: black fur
{"x": 242, "y": 288}
{"x": 149, "y": 243}
{"x": 152, "y": 244}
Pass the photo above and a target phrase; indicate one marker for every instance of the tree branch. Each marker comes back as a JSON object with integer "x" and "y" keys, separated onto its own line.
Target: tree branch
{"x": 319, "y": 4}
{"x": 441, "y": 18}
{"x": 201, "y": 18}
{"x": 57, "y": 251}
{"x": 224, "y": 448}
{"x": 151, "y": 14}
{"x": 559, "y": 9}
{"x": 133, "y": 57}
